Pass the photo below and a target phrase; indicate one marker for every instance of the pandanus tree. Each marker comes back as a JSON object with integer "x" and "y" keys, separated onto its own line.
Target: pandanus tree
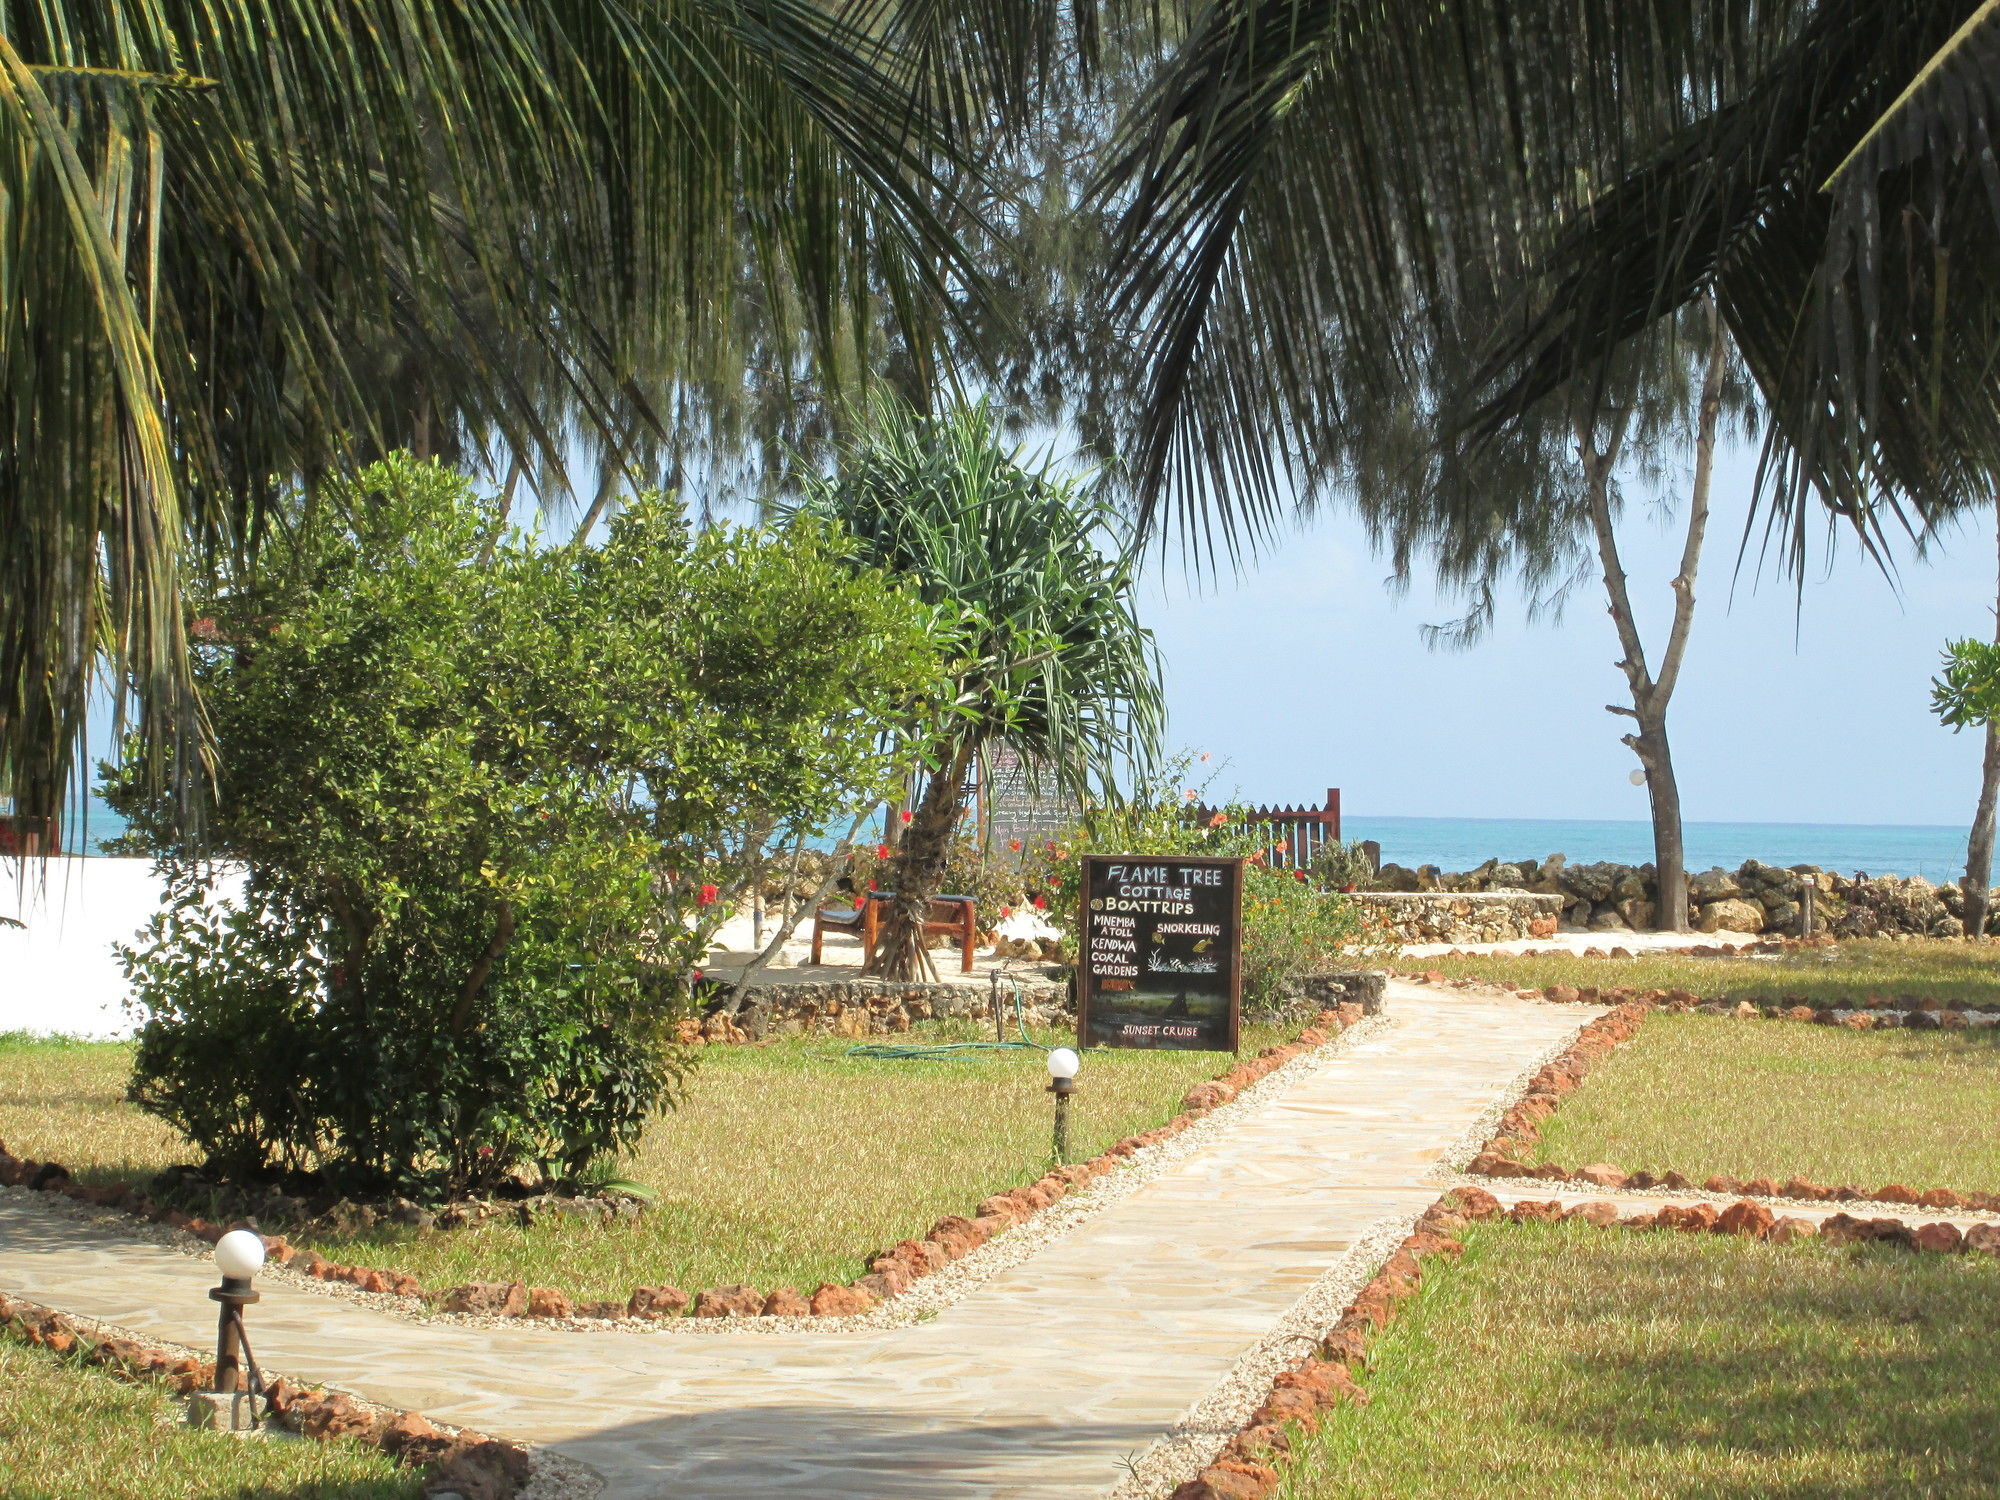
{"x": 1408, "y": 252}
{"x": 1031, "y": 572}
{"x": 247, "y": 246}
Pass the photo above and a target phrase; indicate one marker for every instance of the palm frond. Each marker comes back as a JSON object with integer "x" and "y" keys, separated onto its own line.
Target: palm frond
{"x": 253, "y": 243}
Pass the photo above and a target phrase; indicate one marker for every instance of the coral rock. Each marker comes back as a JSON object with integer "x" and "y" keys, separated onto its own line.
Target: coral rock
{"x": 785, "y": 1302}
{"x": 657, "y": 1302}
{"x": 547, "y": 1302}
{"x": 493, "y": 1298}
{"x": 832, "y": 1301}
{"x": 1942, "y": 1239}
{"x": 1743, "y": 1217}
{"x": 1983, "y": 1238}
{"x": 1473, "y": 1202}
{"x": 734, "y": 1301}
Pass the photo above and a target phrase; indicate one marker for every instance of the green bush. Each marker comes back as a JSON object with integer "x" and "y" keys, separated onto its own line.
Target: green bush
{"x": 492, "y": 798}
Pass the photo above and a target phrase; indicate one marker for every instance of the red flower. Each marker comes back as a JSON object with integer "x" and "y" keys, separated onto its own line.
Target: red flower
{"x": 1041, "y": 903}
{"x": 1284, "y": 846}
{"x": 1006, "y": 911}
{"x": 859, "y": 904}
{"x": 1204, "y": 755}
{"x": 907, "y": 815}
{"x": 1218, "y": 820}
{"x": 1190, "y": 794}
{"x": 1015, "y": 845}
{"x": 1055, "y": 880}
{"x": 881, "y": 851}
{"x": 871, "y": 885}
{"x": 1299, "y": 876}
{"x": 698, "y": 976}
{"x": 708, "y": 895}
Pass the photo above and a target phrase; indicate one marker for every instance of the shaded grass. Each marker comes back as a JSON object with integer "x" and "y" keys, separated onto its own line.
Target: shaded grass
{"x": 1702, "y": 1094}
{"x": 786, "y": 1164}
{"x": 69, "y": 1432}
{"x": 1933, "y": 969}
{"x": 1564, "y": 1360}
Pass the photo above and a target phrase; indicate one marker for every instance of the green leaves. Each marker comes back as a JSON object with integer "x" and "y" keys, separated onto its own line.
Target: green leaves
{"x": 479, "y": 789}
{"x": 244, "y": 245}
{"x": 1029, "y": 573}
{"x": 1968, "y": 694}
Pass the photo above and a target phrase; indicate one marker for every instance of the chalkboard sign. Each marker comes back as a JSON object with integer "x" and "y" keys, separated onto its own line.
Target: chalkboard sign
{"x": 1160, "y": 952}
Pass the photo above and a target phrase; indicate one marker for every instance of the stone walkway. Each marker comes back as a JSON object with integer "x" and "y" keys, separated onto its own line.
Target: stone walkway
{"x": 1037, "y": 1384}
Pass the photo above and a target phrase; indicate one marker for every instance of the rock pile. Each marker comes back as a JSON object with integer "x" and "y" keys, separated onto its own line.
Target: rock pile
{"x": 1756, "y": 897}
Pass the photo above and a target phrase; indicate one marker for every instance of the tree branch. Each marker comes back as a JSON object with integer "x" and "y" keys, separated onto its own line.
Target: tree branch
{"x": 1597, "y": 468}
{"x": 503, "y": 934}
{"x": 1704, "y": 471}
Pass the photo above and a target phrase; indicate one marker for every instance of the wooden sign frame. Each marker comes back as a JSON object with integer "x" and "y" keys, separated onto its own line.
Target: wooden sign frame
{"x": 1143, "y": 920}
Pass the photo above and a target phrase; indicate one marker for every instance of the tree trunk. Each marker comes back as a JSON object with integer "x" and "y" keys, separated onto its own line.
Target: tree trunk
{"x": 1979, "y": 847}
{"x": 1669, "y": 855}
{"x": 1650, "y": 695}
{"x": 919, "y": 869}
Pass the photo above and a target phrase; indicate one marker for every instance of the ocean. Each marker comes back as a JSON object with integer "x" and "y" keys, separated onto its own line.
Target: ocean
{"x": 1936, "y": 852}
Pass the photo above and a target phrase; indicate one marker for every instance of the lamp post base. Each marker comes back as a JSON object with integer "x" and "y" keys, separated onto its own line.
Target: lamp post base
{"x": 223, "y": 1411}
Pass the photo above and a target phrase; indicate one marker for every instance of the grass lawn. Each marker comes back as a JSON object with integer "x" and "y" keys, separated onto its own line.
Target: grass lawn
{"x": 1851, "y": 971}
{"x": 1701, "y": 1094}
{"x": 786, "y": 1165}
{"x": 68, "y": 1432}
{"x": 1559, "y": 1360}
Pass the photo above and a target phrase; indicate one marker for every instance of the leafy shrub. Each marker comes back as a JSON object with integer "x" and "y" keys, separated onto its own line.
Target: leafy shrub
{"x": 491, "y": 797}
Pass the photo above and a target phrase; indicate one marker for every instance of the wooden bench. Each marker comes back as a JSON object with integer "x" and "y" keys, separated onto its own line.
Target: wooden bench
{"x": 950, "y": 916}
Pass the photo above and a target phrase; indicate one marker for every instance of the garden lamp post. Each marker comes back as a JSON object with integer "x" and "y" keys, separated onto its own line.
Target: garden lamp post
{"x": 239, "y": 1255}
{"x": 1063, "y": 1063}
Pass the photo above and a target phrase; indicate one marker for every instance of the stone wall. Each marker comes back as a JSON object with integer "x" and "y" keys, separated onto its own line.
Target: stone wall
{"x": 1305, "y": 997}
{"x": 1442, "y": 916}
{"x": 877, "y": 1007}
{"x": 1756, "y": 897}
{"x": 857, "y": 1008}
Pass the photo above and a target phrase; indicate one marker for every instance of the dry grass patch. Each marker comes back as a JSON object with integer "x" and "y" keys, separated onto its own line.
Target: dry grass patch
{"x": 65, "y": 1101}
{"x": 1705, "y": 1094}
{"x": 787, "y": 1164}
{"x": 1563, "y": 1360}
{"x": 69, "y": 1432}
{"x": 1852, "y": 972}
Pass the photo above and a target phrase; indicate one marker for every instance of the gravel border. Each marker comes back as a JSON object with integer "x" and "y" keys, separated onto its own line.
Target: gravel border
{"x": 551, "y": 1475}
{"x": 1202, "y": 1431}
{"x": 923, "y": 1300}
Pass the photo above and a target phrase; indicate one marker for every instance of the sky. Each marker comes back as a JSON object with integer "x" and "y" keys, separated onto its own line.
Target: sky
{"x": 1304, "y": 672}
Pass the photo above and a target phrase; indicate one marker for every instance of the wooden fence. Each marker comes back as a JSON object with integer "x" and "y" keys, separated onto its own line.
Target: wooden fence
{"x": 1293, "y": 835}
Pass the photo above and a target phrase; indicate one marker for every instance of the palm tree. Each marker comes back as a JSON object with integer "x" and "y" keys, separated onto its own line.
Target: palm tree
{"x": 1451, "y": 226}
{"x": 243, "y": 246}
{"x": 1032, "y": 574}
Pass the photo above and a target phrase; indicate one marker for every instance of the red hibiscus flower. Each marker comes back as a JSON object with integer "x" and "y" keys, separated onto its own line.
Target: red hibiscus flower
{"x": 881, "y": 851}
{"x": 708, "y": 895}
{"x": 1041, "y": 903}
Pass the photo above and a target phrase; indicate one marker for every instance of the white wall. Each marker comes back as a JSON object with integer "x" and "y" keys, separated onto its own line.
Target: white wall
{"x": 59, "y": 975}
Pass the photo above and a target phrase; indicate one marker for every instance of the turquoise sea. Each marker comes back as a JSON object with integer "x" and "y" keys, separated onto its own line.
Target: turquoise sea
{"x": 1936, "y": 852}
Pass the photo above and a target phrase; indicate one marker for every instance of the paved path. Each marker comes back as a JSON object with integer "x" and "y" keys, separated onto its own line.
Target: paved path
{"x": 1036, "y": 1384}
